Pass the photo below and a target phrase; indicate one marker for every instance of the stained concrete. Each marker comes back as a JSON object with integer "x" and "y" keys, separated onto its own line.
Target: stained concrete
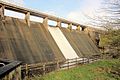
{"x": 37, "y": 44}
{"x": 32, "y": 44}
{"x": 81, "y": 43}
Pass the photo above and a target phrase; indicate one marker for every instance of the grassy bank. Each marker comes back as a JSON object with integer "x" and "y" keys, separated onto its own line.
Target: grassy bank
{"x": 101, "y": 70}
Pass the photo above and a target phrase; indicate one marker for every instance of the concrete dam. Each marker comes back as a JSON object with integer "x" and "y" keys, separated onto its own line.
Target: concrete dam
{"x": 34, "y": 42}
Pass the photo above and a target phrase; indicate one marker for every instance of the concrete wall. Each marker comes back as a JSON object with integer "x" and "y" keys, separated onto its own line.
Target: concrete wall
{"x": 81, "y": 42}
{"x": 37, "y": 43}
{"x": 29, "y": 44}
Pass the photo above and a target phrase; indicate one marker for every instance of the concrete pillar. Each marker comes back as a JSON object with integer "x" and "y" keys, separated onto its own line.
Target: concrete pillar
{"x": 58, "y": 24}
{"x": 45, "y": 22}
{"x": 78, "y": 28}
{"x": 27, "y": 18}
{"x": 70, "y": 26}
{"x": 2, "y": 8}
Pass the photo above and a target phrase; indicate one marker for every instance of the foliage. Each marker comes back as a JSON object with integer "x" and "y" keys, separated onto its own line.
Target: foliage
{"x": 101, "y": 70}
{"x": 112, "y": 38}
{"x": 107, "y": 16}
{"x": 112, "y": 41}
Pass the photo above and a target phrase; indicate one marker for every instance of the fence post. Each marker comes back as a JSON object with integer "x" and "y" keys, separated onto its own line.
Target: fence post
{"x": 26, "y": 73}
{"x": 58, "y": 66}
{"x": 83, "y": 60}
{"x": 76, "y": 62}
{"x": 68, "y": 63}
{"x": 94, "y": 59}
{"x": 44, "y": 69}
{"x": 88, "y": 60}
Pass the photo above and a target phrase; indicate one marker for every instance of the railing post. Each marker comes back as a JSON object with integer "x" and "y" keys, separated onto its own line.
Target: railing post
{"x": 2, "y": 9}
{"x": 27, "y": 18}
{"x": 45, "y": 22}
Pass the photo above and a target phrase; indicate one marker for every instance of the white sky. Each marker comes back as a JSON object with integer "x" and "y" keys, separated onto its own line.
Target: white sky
{"x": 90, "y": 10}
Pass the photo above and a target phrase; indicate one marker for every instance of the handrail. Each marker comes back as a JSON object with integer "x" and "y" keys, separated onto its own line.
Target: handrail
{"x": 24, "y": 10}
{"x": 8, "y": 67}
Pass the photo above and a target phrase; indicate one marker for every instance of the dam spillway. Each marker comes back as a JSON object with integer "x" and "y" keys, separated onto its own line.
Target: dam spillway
{"x": 63, "y": 43}
{"x": 35, "y": 42}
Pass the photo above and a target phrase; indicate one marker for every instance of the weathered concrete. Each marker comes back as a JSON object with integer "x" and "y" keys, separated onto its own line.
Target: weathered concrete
{"x": 80, "y": 42}
{"x": 27, "y": 18}
{"x": 32, "y": 44}
{"x": 2, "y": 8}
{"x": 78, "y": 28}
{"x": 70, "y": 26}
{"x": 58, "y": 24}
{"x": 45, "y": 22}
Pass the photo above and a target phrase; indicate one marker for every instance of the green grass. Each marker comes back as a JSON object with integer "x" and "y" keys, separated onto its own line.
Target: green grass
{"x": 101, "y": 70}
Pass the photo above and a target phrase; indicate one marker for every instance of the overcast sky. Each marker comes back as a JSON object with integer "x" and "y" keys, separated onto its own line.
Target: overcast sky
{"x": 69, "y": 9}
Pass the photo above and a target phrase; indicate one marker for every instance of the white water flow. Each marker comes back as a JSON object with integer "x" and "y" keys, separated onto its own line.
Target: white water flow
{"x": 62, "y": 43}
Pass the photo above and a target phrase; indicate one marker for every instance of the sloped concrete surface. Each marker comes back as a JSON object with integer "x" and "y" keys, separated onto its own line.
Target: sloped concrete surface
{"x": 62, "y": 43}
{"x": 32, "y": 44}
{"x": 80, "y": 42}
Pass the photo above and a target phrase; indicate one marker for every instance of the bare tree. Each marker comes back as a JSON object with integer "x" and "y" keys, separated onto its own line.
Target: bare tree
{"x": 110, "y": 11}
